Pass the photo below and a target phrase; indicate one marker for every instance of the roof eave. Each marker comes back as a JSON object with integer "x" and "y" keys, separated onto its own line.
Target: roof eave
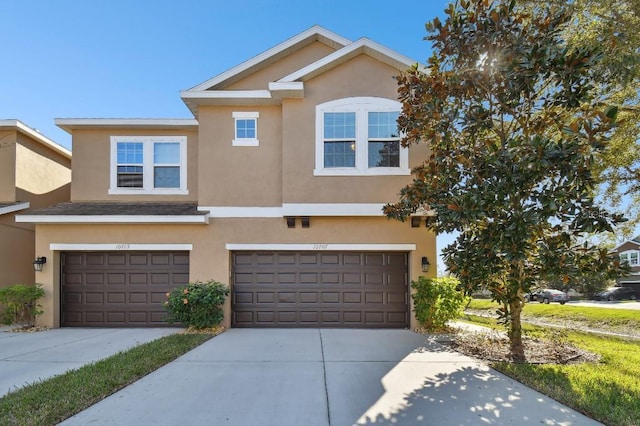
{"x": 70, "y": 124}
{"x": 363, "y": 45}
{"x": 113, "y": 219}
{"x": 14, "y": 207}
{"x": 36, "y": 135}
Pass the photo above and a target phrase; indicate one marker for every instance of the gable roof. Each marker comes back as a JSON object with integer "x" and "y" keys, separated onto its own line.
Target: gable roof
{"x": 20, "y": 127}
{"x": 291, "y": 86}
{"x": 635, "y": 240}
{"x": 315, "y": 33}
{"x": 361, "y": 46}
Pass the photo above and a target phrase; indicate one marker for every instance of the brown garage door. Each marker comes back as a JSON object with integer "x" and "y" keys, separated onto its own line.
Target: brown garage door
{"x": 320, "y": 289}
{"x": 119, "y": 289}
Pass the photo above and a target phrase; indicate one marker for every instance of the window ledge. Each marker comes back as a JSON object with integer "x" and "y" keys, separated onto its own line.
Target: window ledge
{"x": 382, "y": 171}
{"x": 172, "y": 191}
{"x": 245, "y": 142}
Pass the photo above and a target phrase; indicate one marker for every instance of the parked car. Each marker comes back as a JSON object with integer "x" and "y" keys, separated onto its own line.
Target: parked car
{"x": 617, "y": 293}
{"x": 547, "y": 295}
{"x": 532, "y": 296}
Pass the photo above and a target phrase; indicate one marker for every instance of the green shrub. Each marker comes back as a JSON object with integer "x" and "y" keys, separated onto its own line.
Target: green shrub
{"x": 19, "y": 303}
{"x": 437, "y": 300}
{"x": 198, "y": 304}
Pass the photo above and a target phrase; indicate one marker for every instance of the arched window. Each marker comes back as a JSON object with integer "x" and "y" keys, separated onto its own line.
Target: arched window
{"x": 359, "y": 136}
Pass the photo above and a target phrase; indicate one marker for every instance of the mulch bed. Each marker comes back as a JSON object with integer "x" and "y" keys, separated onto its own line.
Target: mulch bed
{"x": 493, "y": 346}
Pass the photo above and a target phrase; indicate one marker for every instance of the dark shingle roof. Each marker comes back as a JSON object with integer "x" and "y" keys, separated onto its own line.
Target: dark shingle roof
{"x": 120, "y": 209}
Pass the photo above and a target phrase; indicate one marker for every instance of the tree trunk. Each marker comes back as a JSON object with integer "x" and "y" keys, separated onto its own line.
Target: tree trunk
{"x": 515, "y": 332}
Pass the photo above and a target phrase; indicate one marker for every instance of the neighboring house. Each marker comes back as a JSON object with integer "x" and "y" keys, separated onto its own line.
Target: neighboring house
{"x": 34, "y": 172}
{"x": 276, "y": 188}
{"x": 629, "y": 253}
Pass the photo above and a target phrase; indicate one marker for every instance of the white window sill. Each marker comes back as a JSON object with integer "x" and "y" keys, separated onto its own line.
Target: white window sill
{"x": 141, "y": 191}
{"x": 245, "y": 142}
{"x": 378, "y": 171}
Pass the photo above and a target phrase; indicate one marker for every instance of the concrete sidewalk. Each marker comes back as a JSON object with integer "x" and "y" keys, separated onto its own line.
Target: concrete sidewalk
{"x": 30, "y": 357}
{"x": 326, "y": 377}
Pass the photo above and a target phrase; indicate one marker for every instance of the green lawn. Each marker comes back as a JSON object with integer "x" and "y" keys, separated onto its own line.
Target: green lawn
{"x": 608, "y": 391}
{"x": 589, "y": 317}
{"x": 50, "y": 401}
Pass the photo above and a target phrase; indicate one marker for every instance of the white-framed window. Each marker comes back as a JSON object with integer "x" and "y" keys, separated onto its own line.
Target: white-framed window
{"x": 630, "y": 257}
{"x": 148, "y": 165}
{"x": 359, "y": 136}
{"x": 245, "y": 128}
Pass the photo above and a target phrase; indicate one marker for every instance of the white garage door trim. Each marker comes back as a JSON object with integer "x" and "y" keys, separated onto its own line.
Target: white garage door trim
{"x": 120, "y": 246}
{"x": 323, "y": 247}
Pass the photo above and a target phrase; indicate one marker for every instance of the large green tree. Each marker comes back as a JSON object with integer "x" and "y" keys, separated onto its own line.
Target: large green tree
{"x": 613, "y": 27}
{"x": 513, "y": 122}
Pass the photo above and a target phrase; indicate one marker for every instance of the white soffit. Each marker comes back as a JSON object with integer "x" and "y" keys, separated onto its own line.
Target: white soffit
{"x": 14, "y": 208}
{"x": 227, "y": 97}
{"x": 69, "y": 124}
{"x": 339, "y": 209}
{"x": 297, "y": 209}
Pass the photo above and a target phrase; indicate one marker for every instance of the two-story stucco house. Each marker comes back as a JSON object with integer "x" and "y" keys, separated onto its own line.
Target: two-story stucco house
{"x": 276, "y": 187}
{"x": 629, "y": 253}
{"x": 34, "y": 172}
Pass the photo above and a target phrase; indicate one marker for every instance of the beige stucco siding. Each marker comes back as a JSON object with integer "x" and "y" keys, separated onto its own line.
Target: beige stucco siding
{"x": 240, "y": 175}
{"x": 29, "y": 172}
{"x": 261, "y": 79}
{"x": 92, "y": 162}
{"x": 39, "y": 171}
{"x": 362, "y": 76}
{"x": 7, "y": 166}
{"x": 210, "y": 258}
{"x": 17, "y": 242}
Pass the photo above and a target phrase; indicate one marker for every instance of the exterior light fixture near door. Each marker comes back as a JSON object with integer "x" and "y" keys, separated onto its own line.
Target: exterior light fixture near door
{"x": 39, "y": 263}
{"x": 425, "y": 264}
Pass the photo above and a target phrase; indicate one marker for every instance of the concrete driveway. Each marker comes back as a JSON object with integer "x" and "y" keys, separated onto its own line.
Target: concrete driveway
{"x": 30, "y": 357}
{"x": 326, "y": 377}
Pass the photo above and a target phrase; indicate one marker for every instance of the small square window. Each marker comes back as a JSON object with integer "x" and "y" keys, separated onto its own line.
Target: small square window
{"x": 246, "y": 129}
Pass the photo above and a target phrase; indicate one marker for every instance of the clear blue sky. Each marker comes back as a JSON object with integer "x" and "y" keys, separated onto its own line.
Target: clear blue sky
{"x": 124, "y": 58}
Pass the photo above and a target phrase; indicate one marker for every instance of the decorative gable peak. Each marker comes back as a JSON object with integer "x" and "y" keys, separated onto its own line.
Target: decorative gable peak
{"x": 216, "y": 90}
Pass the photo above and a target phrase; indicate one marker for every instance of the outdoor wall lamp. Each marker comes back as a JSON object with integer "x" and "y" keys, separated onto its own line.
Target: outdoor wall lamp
{"x": 415, "y": 221}
{"x": 291, "y": 222}
{"x": 39, "y": 263}
{"x": 304, "y": 220}
{"x": 425, "y": 264}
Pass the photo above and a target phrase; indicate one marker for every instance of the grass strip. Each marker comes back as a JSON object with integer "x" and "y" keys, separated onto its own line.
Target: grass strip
{"x": 50, "y": 401}
{"x": 606, "y": 391}
{"x": 589, "y": 317}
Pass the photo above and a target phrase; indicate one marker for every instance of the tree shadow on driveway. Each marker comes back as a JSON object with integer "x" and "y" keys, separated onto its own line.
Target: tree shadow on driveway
{"x": 433, "y": 385}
